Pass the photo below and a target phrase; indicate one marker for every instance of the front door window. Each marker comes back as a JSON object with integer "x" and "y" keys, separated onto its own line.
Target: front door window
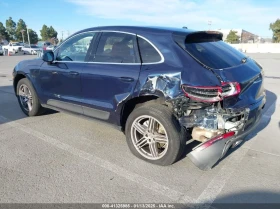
{"x": 76, "y": 48}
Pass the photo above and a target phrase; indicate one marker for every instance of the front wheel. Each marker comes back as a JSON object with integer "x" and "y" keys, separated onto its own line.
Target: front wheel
{"x": 28, "y": 99}
{"x": 154, "y": 134}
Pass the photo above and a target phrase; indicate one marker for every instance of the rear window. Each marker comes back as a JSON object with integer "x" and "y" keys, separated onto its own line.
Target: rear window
{"x": 209, "y": 49}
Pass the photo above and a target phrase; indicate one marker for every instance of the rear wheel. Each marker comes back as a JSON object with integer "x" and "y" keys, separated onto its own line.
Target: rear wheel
{"x": 28, "y": 99}
{"x": 154, "y": 134}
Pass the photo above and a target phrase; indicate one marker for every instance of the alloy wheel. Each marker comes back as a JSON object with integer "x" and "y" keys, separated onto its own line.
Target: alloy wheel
{"x": 25, "y": 97}
{"x": 149, "y": 137}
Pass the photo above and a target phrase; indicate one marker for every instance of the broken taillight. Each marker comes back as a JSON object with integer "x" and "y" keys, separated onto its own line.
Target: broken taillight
{"x": 230, "y": 89}
{"x": 212, "y": 93}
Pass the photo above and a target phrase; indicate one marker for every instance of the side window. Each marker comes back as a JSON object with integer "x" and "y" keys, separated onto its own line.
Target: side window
{"x": 76, "y": 48}
{"x": 148, "y": 53}
{"x": 116, "y": 47}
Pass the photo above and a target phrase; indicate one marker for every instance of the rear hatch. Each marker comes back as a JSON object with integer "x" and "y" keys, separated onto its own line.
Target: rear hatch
{"x": 227, "y": 63}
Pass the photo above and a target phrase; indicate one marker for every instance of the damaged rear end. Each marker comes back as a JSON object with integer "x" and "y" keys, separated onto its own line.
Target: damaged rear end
{"x": 218, "y": 116}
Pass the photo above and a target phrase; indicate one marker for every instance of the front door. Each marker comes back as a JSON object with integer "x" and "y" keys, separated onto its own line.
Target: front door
{"x": 111, "y": 74}
{"x": 61, "y": 80}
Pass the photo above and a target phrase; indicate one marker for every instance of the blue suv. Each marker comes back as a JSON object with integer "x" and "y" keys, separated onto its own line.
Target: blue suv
{"x": 165, "y": 88}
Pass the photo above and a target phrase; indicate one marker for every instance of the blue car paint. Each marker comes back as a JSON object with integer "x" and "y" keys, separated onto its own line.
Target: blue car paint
{"x": 110, "y": 90}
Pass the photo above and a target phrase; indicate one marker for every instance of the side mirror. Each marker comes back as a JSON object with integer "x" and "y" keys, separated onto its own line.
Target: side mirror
{"x": 48, "y": 56}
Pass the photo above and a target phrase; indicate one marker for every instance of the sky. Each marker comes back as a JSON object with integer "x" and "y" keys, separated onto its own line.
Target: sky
{"x": 70, "y": 16}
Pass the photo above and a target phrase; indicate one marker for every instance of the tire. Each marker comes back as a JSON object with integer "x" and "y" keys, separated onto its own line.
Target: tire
{"x": 175, "y": 135}
{"x": 36, "y": 109}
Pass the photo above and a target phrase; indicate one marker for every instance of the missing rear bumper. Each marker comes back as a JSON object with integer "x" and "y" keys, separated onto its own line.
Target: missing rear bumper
{"x": 205, "y": 157}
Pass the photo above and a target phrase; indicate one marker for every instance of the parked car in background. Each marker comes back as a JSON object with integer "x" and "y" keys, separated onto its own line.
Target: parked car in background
{"x": 31, "y": 49}
{"x": 21, "y": 43}
{"x": 184, "y": 86}
{"x": 51, "y": 47}
{"x": 43, "y": 45}
{"x": 1, "y": 50}
{"x": 14, "y": 47}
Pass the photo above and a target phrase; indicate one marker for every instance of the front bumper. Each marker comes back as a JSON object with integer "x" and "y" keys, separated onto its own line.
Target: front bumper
{"x": 206, "y": 158}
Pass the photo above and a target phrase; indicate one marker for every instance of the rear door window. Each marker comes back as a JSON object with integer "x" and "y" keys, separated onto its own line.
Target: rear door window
{"x": 148, "y": 53}
{"x": 209, "y": 50}
{"x": 117, "y": 47}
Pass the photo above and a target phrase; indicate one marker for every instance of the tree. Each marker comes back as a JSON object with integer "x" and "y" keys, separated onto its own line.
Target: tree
{"x": 33, "y": 36}
{"x": 275, "y": 27}
{"x": 19, "y": 31}
{"x": 52, "y": 33}
{"x": 11, "y": 28}
{"x": 232, "y": 37}
{"x": 3, "y": 33}
{"x": 47, "y": 33}
{"x": 44, "y": 32}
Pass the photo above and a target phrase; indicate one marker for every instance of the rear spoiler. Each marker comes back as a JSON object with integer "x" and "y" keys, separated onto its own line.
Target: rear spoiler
{"x": 197, "y": 37}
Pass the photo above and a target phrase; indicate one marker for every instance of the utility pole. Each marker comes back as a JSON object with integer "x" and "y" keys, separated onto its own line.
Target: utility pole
{"x": 28, "y": 36}
{"x": 62, "y": 35}
{"x": 209, "y": 24}
{"x": 22, "y": 33}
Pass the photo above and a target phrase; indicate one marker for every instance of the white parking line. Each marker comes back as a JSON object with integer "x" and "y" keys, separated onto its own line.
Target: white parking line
{"x": 211, "y": 192}
{"x": 142, "y": 181}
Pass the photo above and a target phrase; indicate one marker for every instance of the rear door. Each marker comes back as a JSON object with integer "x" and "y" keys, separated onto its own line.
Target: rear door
{"x": 111, "y": 74}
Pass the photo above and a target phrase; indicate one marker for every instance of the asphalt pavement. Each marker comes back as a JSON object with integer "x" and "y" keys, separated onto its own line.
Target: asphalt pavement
{"x": 61, "y": 158}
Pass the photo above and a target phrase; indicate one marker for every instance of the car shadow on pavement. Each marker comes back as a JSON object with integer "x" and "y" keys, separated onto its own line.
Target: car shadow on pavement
{"x": 268, "y": 111}
{"x": 248, "y": 199}
{"x": 9, "y": 107}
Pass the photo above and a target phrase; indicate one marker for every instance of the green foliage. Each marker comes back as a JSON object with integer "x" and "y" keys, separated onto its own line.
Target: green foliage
{"x": 33, "y": 36}
{"x": 47, "y": 33}
{"x": 3, "y": 33}
{"x": 275, "y": 27}
{"x": 19, "y": 31}
{"x": 232, "y": 37}
{"x": 44, "y": 32}
{"x": 14, "y": 31}
{"x": 11, "y": 28}
{"x": 52, "y": 32}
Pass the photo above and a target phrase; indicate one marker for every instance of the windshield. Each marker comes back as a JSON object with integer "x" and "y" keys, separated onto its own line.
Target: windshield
{"x": 34, "y": 47}
{"x": 17, "y": 44}
{"x": 211, "y": 51}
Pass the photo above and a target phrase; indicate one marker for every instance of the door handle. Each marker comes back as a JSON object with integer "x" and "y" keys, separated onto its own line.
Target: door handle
{"x": 126, "y": 79}
{"x": 73, "y": 73}
{"x": 54, "y": 73}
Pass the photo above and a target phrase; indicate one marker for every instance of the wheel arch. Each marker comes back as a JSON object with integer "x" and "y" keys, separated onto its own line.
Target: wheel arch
{"x": 17, "y": 78}
{"x": 132, "y": 103}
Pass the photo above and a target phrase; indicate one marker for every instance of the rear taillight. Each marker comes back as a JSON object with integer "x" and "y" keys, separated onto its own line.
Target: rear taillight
{"x": 230, "y": 89}
{"x": 213, "y": 93}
